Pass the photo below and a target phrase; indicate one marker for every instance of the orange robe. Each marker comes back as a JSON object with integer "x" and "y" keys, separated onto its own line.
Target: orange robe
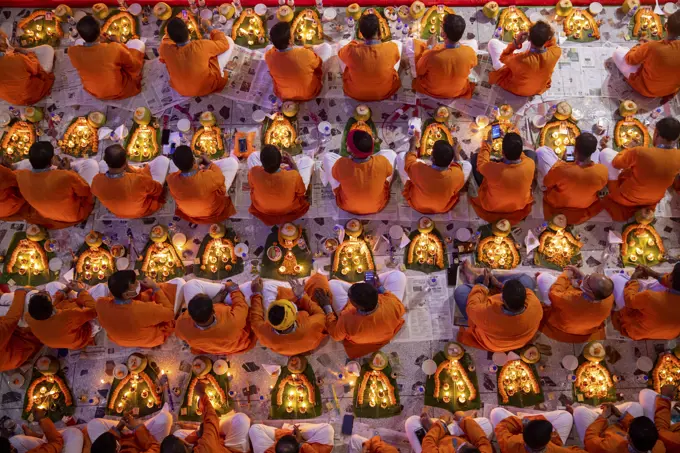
{"x": 443, "y": 72}
{"x": 572, "y": 190}
{"x": 297, "y": 73}
{"x": 55, "y": 441}
{"x": 12, "y": 204}
{"x": 144, "y": 322}
{"x": 62, "y": 197}
{"x": 69, "y": 327}
{"x": 230, "y": 334}
{"x": 432, "y": 191}
{"x": 659, "y": 73}
{"x": 505, "y": 192}
{"x": 134, "y": 195}
{"x": 364, "y": 188}
{"x": 22, "y": 80}
{"x": 491, "y": 329}
{"x": 108, "y": 70}
{"x": 202, "y": 197}
{"x": 669, "y": 434}
{"x": 527, "y": 73}
{"x": 438, "y": 439}
{"x": 277, "y": 198}
{"x": 646, "y": 174}
{"x": 571, "y": 318}
{"x": 193, "y": 68}
{"x": 362, "y": 334}
{"x": 648, "y": 315}
{"x": 370, "y": 74}
{"x": 511, "y": 440}
{"x": 17, "y": 344}
{"x": 376, "y": 445}
{"x": 310, "y": 325}
{"x": 139, "y": 441}
{"x": 305, "y": 447}
{"x": 601, "y": 437}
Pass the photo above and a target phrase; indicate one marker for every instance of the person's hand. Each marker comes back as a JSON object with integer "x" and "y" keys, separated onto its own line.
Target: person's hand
{"x": 297, "y": 433}
{"x": 668, "y": 391}
{"x": 413, "y": 143}
{"x": 487, "y": 277}
{"x": 149, "y": 283}
{"x": 638, "y": 273}
{"x": 65, "y": 164}
{"x": 615, "y": 411}
{"x": 520, "y": 38}
{"x": 376, "y": 281}
{"x": 494, "y": 281}
{"x": 230, "y": 286}
{"x": 432, "y": 40}
{"x": 607, "y": 410}
{"x": 447, "y": 419}
{"x": 573, "y": 271}
{"x": 205, "y": 160}
{"x": 256, "y": 285}
{"x": 297, "y": 287}
{"x": 75, "y": 285}
{"x": 39, "y": 414}
{"x": 206, "y": 24}
{"x": 426, "y": 421}
{"x": 322, "y": 297}
{"x": 569, "y": 408}
{"x": 221, "y": 295}
{"x": 199, "y": 390}
{"x": 458, "y": 416}
{"x": 130, "y": 421}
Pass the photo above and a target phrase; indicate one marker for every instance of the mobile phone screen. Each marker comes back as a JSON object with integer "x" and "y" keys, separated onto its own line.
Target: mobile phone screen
{"x": 569, "y": 154}
{"x": 420, "y": 434}
{"x": 347, "y": 424}
{"x": 452, "y": 271}
{"x": 369, "y": 277}
{"x": 242, "y": 145}
{"x": 496, "y": 131}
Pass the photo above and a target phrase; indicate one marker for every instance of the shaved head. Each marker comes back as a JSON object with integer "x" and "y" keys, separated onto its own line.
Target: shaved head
{"x": 601, "y": 285}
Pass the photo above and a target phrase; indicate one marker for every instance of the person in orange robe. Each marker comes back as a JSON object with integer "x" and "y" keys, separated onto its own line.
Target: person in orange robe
{"x": 297, "y": 72}
{"x": 294, "y": 323}
{"x": 278, "y": 195}
{"x": 25, "y": 74}
{"x": 535, "y": 435}
{"x": 200, "y": 191}
{"x": 575, "y": 306}
{"x": 137, "y": 319}
{"x": 210, "y": 326}
{"x": 444, "y": 70}
{"x": 669, "y": 433}
{"x": 439, "y": 440}
{"x": 13, "y": 207}
{"x": 17, "y": 344}
{"x": 360, "y": 444}
{"x": 373, "y": 316}
{"x": 572, "y": 188}
{"x": 645, "y": 172}
{"x": 647, "y": 313}
{"x": 505, "y": 186}
{"x": 303, "y": 438}
{"x": 370, "y": 73}
{"x": 53, "y": 442}
{"x": 435, "y": 188}
{"x": 61, "y": 322}
{"x": 530, "y": 72}
{"x": 139, "y": 440}
{"x": 107, "y": 70}
{"x": 128, "y": 192}
{"x": 362, "y": 182}
{"x": 61, "y": 196}
{"x": 195, "y": 67}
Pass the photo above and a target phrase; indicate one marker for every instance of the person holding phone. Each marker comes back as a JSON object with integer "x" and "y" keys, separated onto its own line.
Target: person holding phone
{"x": 50, "y": 440}
{"x": 657, "y": 406}
{"x": 25, "y": 74}
{"x": 297, "y": 438}
{"x": 545, "y": 432}
{"x": 466, "y": 434}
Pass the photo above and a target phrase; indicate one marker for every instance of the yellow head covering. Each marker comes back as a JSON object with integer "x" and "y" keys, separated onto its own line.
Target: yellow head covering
{"x": 290, "y": 313}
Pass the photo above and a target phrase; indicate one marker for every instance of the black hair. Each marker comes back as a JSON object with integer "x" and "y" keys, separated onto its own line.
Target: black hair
{"x": 270, "y": 156}
{"x": 40, "y": 155}
{"x": 469, "y": 449}
{"x": 105, "y": 443}
{"x": 201, "y": 308}
{"x": 115, "y": 156}
{"x": 172, "y": 444}
{"x": 442, "y": 153}
{"x": 120, "y": 281}
{"x": 177, "y": 30}
{"x": 276, "y": 315}
{"x": 5, "y": 446}
{"x": 369, "y": 26}
{"x": 40, "y": 307}
{"x": 668, "y": 128}
{"x": 88, "y": 28}
{"x": 643, "y": 433}
{"x": 540, "y": 33}
{"x": 183, "y": 158}
{"x": 514, "y": 295}
{"x": 363, "y": 295}
{"x": 673, "y": 24}
{"x": 279, "y": 35}
{"x": 537, "y": 433}
{"x": 454, "y": 27}
{"x": 287, "y": 444}
{"x": 363, "y": 141}
{"x": 585, "y": 145}
{"x": 512, "y": 146}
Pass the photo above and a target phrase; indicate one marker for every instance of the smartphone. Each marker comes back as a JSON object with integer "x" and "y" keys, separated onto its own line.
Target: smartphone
{"x": 420, "y": 434}
{"x": 242, "y": 145}
{"x": 369, "y": 277}
{"x": 452, "y": 271}
{"x": 496, "y": 131}
{"x": 347, "y": 424}
{"x": 165, "y": 137}
{"x": 569, "y": 154}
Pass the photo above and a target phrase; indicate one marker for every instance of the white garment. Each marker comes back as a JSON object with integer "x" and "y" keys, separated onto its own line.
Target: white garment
{"x": 356, "y": 443}
{"x": 619, "y": 58}
{"x": 86, "y": 168}
{"x": 136, "y": 44}
{"x": 262, "y": 436}
{"x": 546, "y": 159}
{"x": 224, "y": 57}
{"x": 329, "y": 160}
{"x": 585, "y": 416}
{"x": 159, "y": 426}
{"x": 228, "y": 166}
{"x": 305, "y": 165}
{"x": 496, "y": 48}
{"x": 234, "y": 427}
{"x": 413, "y": 424}
{"x": 179, "y": 293}
{"x": 323, "y": 51}
{"x": 45, "y": 56}
{"x": 607, "y": 155}
{"x": 543, "y": 283}
{"x": 158, "y": 168}
{"x": 401, "y": 167}
{"x": 619, "y": 281}
{"x": 73, "y": 441}
{"x": 393, "y": 281}
{"x": 470, "y": 43}
{"x": 562, "y": 421}
{"x": 197, "y": 286}
{"x": 647, "y": 399}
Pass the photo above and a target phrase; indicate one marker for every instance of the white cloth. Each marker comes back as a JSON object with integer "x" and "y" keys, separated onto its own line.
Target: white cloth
{"x": 543, "y": 283}
{"x": 136, "y": 44}
{"x": 228, "y": 166}
{"x": 179, "y": 293}
{"x": 262, "y": 436}
{"x": 562, "y": 421}
{"x": 224, "y": 57}
{"x": 159, "y": 425}
{"x": 619, "y": 281}
{"x": 86, "y": 168}
{"x": 158, "y": 168}
{"x": 470, "y": 43}
{"x": 234, "y": 427}
{"x": 197, "y": 286}
{"x": 305, "y": 165}
{"x": 413, "y": 424}
{"x": 496, "y": 48}
{"x": 584, "y": 416}
{"x": 45, "y": 56}
{"x": 356, "y": 443}
{"x": 323, "y": 51}
{"x": 619, "y": 58}
{"x": 546, "y": 159}
{"x": 73, "y": 441}
{"x": 393, "y": 281}
{"x": 607, "y": 155}
{"x": 329, "y": 160}
{"x": 647, "y": 399}
{"x": 401, "y": 167}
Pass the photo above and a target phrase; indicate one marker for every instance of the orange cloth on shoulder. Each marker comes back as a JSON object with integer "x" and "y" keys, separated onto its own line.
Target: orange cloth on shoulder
{"x": 305, "y": 447}
{"x": 17, "y": 344}
{"x": 376, "y": 445}
{"x": 69, "y": 327}
{"x": 648, "y": 315}
{"x": 22, "y": 80}
{"x": 669, "y": 433}
{"x": 443, "y": 72}
{"x": 132, "y": 196}
{"x": 364, "y": 188}
{"x": 572, "y": 190}
{"x": 202, "y": 197}
{"x": 55, "y": 441}
{"x": 297, "y": 73}
{"x": 432, "y": 191}
{"x": 601, "y": 437}
{"x": 659, "y": 73}
{"x": 138, "y": 441}
{"x": 12, "y": 204}
{"x": 277, "y": 198}
{"x": 369, "y": 74}
{"x": 510, "y": 437}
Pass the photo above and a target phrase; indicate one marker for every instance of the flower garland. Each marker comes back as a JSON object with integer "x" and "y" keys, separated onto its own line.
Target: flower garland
{"x": 22, "y": 247}
{"x": 380, "y": 377}
{"x": 516, "y": 376}
{"x": 453, "y": 366}
{"x": 593, "y": 380}
{"x": 292, "y": 380}
{"x": 145, "y": 377}
{"x": 648, "y": 228}
{"x": 52, "y": 378}
{"x": 423, "y": 242}
{"x": 491, "y": 246}
{"x": 121, "y": 384}
{"x": 95, "y": 254}
{"x": 666, "y": 371}
{"x": 219, "y": 244}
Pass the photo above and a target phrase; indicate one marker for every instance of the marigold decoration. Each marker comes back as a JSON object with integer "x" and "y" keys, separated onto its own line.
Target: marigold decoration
{"x": 454, "y": 385}
{"x": 593, "y": 384}
{"x": 80, "y": 139}
{"x": 27, "y": 262}
{"x": 629, "y": 132}
{"x": 120, "y": 26}
{"x": 353, "y": 257}
{"x": 249, "y": 30}
{"x": 433, "y": 132}
{"x": 307, "y": 28}
{"x": 40, "y": 27}
{"x": 295, "y": 394}
{"x": 95, "y": 262}
{"x": 384, "y": 27}
{"x": 517, "y": 381}
{"x": 647, "y": 24}
{"x": 48, "y": 390}
{"x": 281, "y": 132}
{"x": 496, "y": 249}
{"x": 18, "y": 140}
{"x": 431, "y": 22}
{"x": 361, "y": 120}
{"x": 216, "y": 388}
{"x": 208, "y": 139}
{"x": 558, "y": 247}
{"x": 666, "y": 371}
{"x": 139, "y": 390}
{"x": 426, "y": 251}
{"x": 561, "y": 131}
{"x": 286, "y": 254}
{"x": 503, "y": 118}
{"x": 160, "y": 260}
{"x": 579, "y": 25}
{"x": 512, "y": 21}
{"x": 143, "y": 142}
{"x": 641, "y": 244}
{"x": 216, "y": 258}
{"x": 376, "y": 394}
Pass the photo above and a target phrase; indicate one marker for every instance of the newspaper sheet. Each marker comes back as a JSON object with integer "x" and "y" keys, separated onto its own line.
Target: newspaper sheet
{"x": 428, "y": 315}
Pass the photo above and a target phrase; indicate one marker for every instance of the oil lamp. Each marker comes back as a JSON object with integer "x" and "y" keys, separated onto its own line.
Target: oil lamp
{"x": 498, "y": 250}
{"x": 557, "y": 245}
{"x": 641, "y": 244}
{"x": 353, "y": 257}
{"x": 513, "y": 21}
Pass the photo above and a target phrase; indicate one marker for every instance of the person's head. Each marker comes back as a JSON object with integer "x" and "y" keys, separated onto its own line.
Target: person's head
{"x": 115, "y": 157}
{"x": 183, "y": 158}
{"x": 359, "y": 144}
{"x": 537, "y": 433}
{"x": 585, "y": 146}
{"x": 172, "y": 444}
{"x": 514, "y": 295}
{"x": 454, "y": 27}
{"x": 468, "y": 448}
{"x": 88, "y": 28}
{"x": 282, "y": 314}
{"x": 280, "y": 35}
{"x": 271, "y": 158}
{"x": 540, "y": 33}
{"x": 123, "y": 285}
{"x": 442, "y": 153}
{"x": 512, "y": 146}
{"x": 363, "y": 296}
{"x": 673, "y": 25}
{"x": 287, "y": 444}
{"x": 369, "y": 26}
{"x": 177, "y": 30}
{"x": 597, "y": 286}
{"x": 643, "y": 434}
{"x": 106, "y": 443}
{"x": 675, "y": 277}
{"x": 6, "y": 446}
{"x": 667, "y": 131}
{"x": 201, "y": 309}
{"x": 40, "y": 155}
{"x": 40, "y": 306}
